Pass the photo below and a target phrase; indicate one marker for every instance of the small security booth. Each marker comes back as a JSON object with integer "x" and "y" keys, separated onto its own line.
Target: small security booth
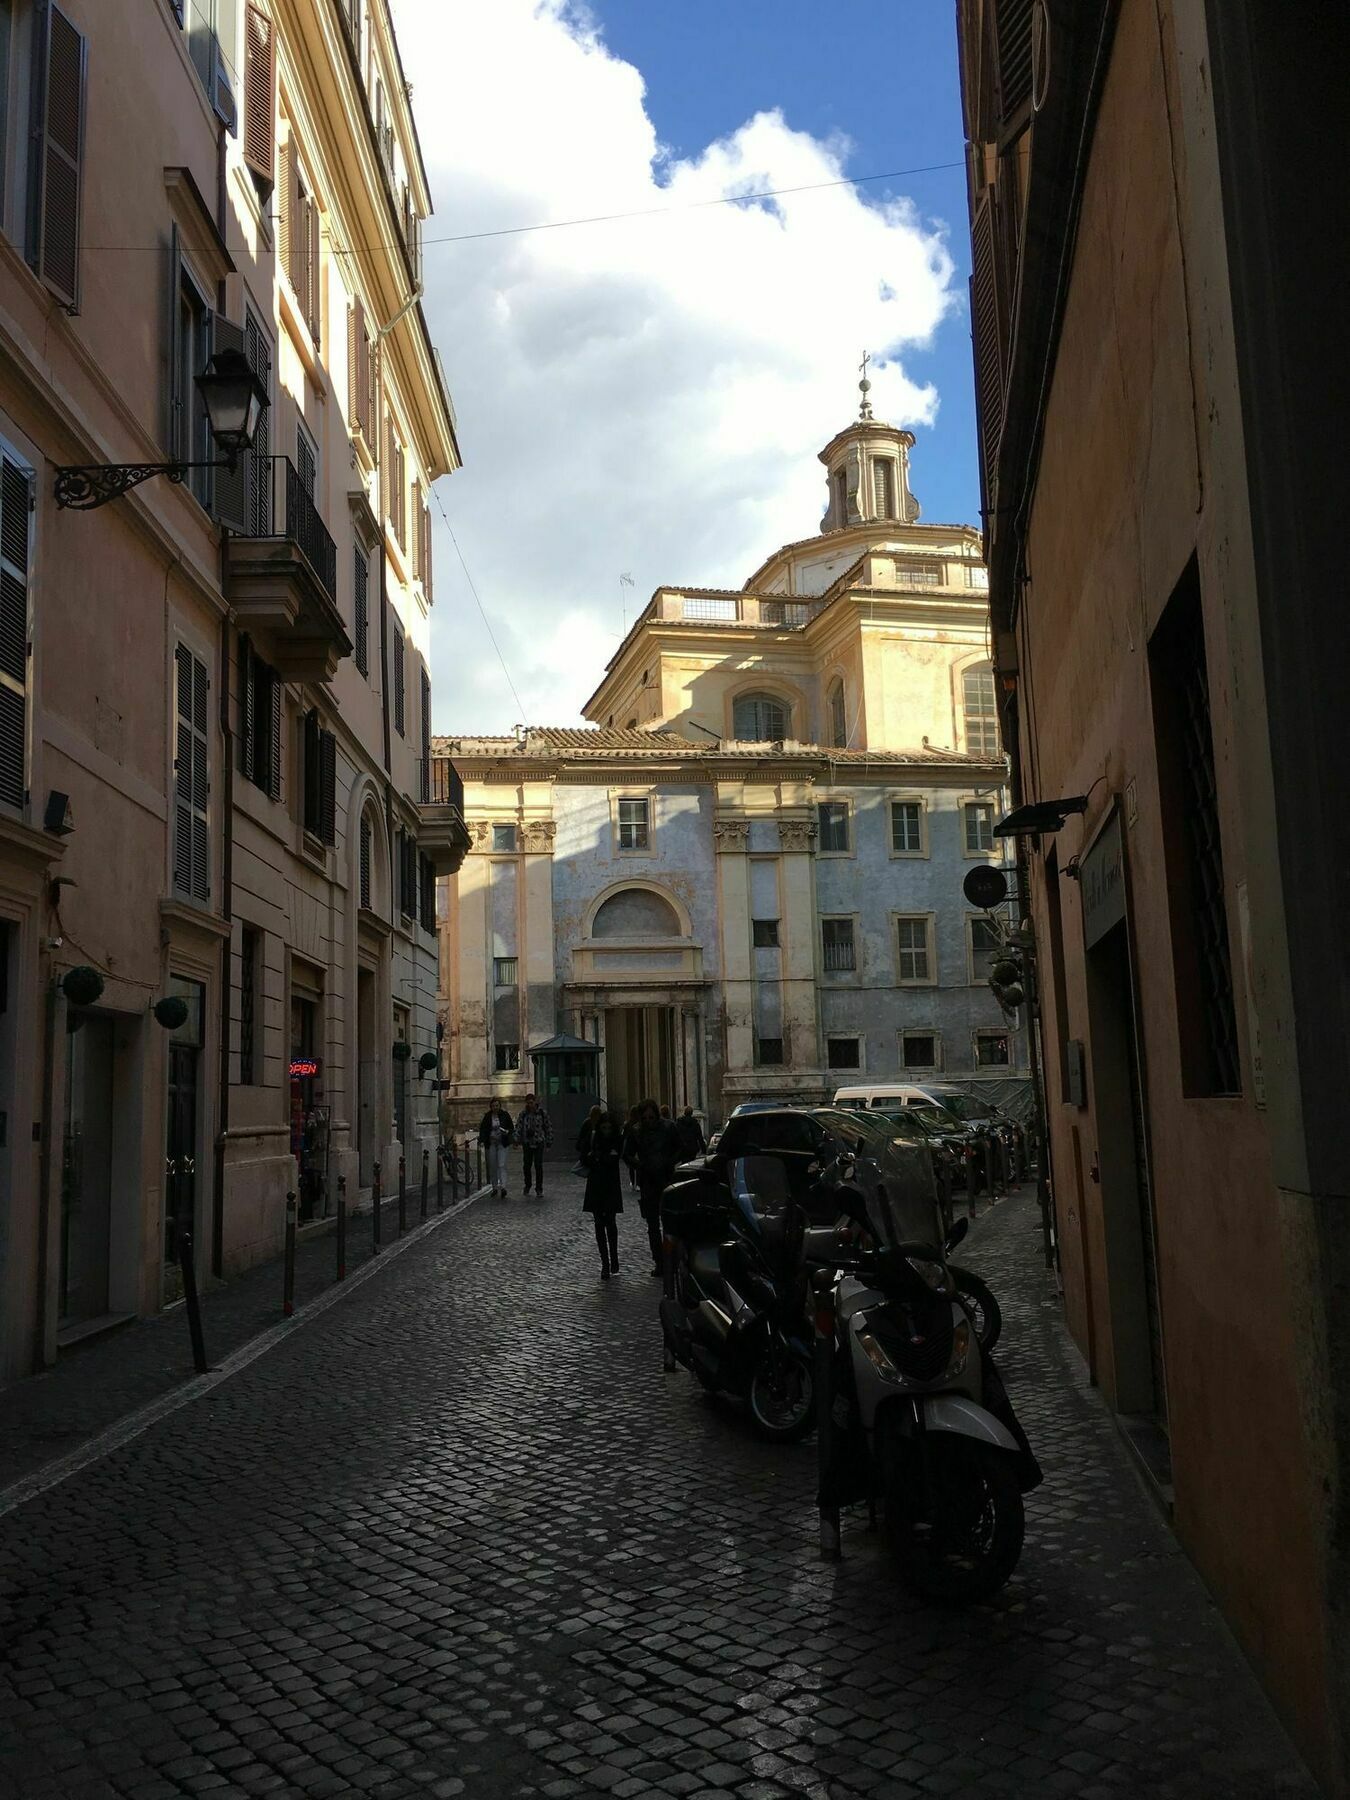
{"x": 567, "y": 1082}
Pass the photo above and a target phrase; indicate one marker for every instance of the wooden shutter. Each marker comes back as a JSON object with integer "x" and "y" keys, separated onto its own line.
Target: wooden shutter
{"x": 290, "y": 240}
{"x": 327, "y": 787}
{"x": 426, "y": 716}
{"x": 192, "y": 835}
{"x": 173, "y": 350}
{"x": 362, "y": 609}
{"x": 370, "y": 355}
{"x": 306, "y": 460}
{"x": 426, "y": 551}
{"x": 428, "y": 886}
{"x": 16, "y": 493}
{"x": 365, "y": 862}
{"x": 311, "y": 772}
{"x": 57, "y": 142}
{"x": 354, "y": 393}
{"x": 232, "y": 486}
{"x": 258, "y": 460}
{"x": 400, "y": 681}
{"x": 277, "y": 706}
{"x": 260, "y": 141}
{"x": 986, "y": 329}
{"x": 415, "y": 544}
{"x": 1012, "y": 37}
{"x": 313, "y": 281}
{"x": 247, "y": 702}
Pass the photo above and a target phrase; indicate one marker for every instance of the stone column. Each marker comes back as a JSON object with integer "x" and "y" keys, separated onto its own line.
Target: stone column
{"x": 538, "y": 1019}
{"x": 731, "y": 838}
{"x": 801, "y": 1023}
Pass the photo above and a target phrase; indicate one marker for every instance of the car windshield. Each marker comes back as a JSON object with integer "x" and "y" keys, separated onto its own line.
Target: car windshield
{"x": 904, "y": 1123}
{"x": 966, "y": 1108}
{"x": 936, "y": 1116}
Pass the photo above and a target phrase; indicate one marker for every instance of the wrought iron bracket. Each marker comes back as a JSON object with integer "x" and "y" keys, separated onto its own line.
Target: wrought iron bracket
{"x": 85, "y": 486}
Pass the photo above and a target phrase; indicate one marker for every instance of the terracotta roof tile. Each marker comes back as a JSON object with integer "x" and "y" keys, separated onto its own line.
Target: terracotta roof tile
{"x": 545, "y": 743}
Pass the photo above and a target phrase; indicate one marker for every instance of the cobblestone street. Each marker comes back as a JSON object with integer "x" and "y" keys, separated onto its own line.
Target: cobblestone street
{"x": 461, "y": 1535}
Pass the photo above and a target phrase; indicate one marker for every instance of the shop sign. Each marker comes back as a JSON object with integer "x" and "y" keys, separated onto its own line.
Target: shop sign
{"x": 303, "y": 1067}
{"x": 1102, "y": 879}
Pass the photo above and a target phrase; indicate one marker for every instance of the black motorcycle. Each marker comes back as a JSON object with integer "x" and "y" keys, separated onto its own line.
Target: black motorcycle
{"x": 735, "y": 1307}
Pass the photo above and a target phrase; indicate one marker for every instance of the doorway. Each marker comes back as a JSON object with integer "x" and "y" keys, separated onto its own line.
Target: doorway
{"x": 640, "y": 1056}
{"x": 86, "y": 1171}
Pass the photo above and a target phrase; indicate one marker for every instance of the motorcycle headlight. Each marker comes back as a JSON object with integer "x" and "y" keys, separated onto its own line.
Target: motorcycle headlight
{"x": 932, "y": 1272}
{"x": 960, "y": 1348}
{"x": 878, "y": 1358}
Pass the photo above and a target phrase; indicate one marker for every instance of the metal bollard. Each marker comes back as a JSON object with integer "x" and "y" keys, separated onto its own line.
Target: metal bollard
{"x": 823, "y": 1283}
{"x": 375, "y": 1208}
{"x": 288, "y": 1267}
{"x": 194, "y": 1308}
{"x": 440, "y": 1180}
{"x": 480, "y": 1165}
{"x": 454, "y": 1170}
{"x": 426, "y": 1172}
{"x": 970, "y": 1178}
{"x": 989, "y": 1170}
{"x": 402, "y": 1197}
{"x": 342, "y": 1228}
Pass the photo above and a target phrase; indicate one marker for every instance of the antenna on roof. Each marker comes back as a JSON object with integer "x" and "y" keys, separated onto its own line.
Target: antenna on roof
{"x": 625, "y": 580}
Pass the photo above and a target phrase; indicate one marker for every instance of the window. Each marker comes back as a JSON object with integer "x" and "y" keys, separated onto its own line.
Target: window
{"x": 837, "y": 944}
{"x": 764, "y": 934}
{"x": 407, "y": 875}
{"x": 361, "y": 621}
{"x": 883, "y": 488}
{"x": 360, "y": 374}
{"x": 257, "y": 462}
{"x": 843, "y": 1052}
{"x": 395, "y": 484}
{"x": 921, "y": 574}
{"x": 633, "y": 824}
{"x": 783, "y": 612}
{"x": 979, "y": 827}
{"x": 840, "y": 482}
{"x": 56, "y": 154}
{"x": 985, "y": 948}
{"x": 838, "y": 717}
{"x": 365, "y": 861}
{"x": 980, "y": 713}
{"x": 504, "y": 838}
{"x": 299, "y": 236}
{"x": 261, "y": 704}
{"x": 977, "y": 576}
{"x": 306, "y": 459}
{"x": 759, "y": 719}
{"x": 248, "y": 1000}
{"x": 504, "y": 971}
{"x": 212, "y": 28}
{"x": 190, "y": 432}
{"x": 718, "y": 612}
{"x": 425, "y": 684}
{"x": 191, "y": 827}
{"x": 768, "y": 1052}
{"x": 16, "y": 493}
{"x": 914, "y": 959}
{"x": 992, "y": 1050}
{"x": 427, "y": 893}
{"x": 907, "y": 827}
{"x": 832, "y": 820}
{"x": 399, "y": 654}
{"x": 424, "y": 561}
{"x": 319, "y": 750}
{"x": 919, "y": 1050}
{"x": 260, "y": 89}
{"x": 507, "y": 1056}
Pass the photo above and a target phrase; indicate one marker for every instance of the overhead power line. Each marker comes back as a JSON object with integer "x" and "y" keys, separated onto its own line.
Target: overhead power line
{"x": 482, "y": 611}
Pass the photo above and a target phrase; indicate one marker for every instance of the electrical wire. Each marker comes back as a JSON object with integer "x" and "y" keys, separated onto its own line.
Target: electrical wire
{"x": 482, "y": 611}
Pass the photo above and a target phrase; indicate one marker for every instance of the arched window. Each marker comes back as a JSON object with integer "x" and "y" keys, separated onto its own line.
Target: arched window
{"x": 981, "y": 712}
{"x": 883, "y": 487}
{"x": 838, "y": 717}
{"x": 759, "y": 719}
{"x": 636, "y": 912}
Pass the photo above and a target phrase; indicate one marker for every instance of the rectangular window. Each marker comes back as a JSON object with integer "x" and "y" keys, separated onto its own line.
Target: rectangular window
{"x": 977, "y": 576}
{"x": 841, "y": 497}
{"x": 248, "y": 1000}
{"x": 505, "y": 971}
{"x": 633, "y": 816}
{"x": 261, "y": 704}
{"x": 764, "y": 933}
{"x": 980, "y": 713}
{"x": 843, "y": 1052}
{"x": 399, "y": 654}
{"x": 507, "y": 1056}
{"x": 425, "y": 683}
{"x": 56, "y": 157}
{"x": 721, "y": 612}
{"x": 924, "y": 574}
{"x": 907, "y": 827}
{"x": 837, "y": 941}
{"x": 1193, "y": 845}
{"x": 16, "y": 492}
{"x": 361, "y": 621}
{"x": 310, "y": 773}
{"x": 783, "y": 612}
{"x": 992, "y": 1050}
{"x": 979, "y": 827}
{"x": 192, "y": 433}
{"x": 427, "y": 894}
{"x": 883, "y": 488}
{"x": 984, "y": 948}
{"x": 306, "y": 459}
{"x": 832, "y": 821}
{"x": 914, "y": 959}
{"x": 504, "y": 838}
{"x": 768, "y": 1052}
{"x": 408, "y": 895}
{"x": 299, "y": 236}
{"x": 260, "y": 91}
{"x": 919, "y": 1050}
{"x": 191, "y": 832}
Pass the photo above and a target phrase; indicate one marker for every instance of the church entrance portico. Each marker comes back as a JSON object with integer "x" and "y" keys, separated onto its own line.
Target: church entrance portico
{"x": 652, "y": 1039}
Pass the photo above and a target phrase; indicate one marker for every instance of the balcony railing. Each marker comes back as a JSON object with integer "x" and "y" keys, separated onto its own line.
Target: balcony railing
{"x": 305, "y": 528}
{"x": 442, "y": 784}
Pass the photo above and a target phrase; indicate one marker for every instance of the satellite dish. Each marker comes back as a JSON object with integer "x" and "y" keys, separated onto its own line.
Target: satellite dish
{"x": 985, "y": 886}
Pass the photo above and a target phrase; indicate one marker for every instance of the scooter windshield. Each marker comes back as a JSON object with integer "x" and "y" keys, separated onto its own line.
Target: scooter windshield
{"x": 759, "y": 1190}
{"x": 902, "y": 1204}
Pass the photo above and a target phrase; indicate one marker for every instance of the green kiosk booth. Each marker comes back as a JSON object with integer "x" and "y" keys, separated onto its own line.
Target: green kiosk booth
{"x": 567, "y": 1081}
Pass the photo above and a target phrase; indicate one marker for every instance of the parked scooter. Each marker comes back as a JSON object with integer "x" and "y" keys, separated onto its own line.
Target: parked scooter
{"x": 735, "y": 1310}
{"x": 919, "y": 1418}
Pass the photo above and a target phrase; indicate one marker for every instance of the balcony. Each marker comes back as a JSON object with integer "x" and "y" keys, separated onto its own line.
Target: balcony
{"x": 281, "y": 575}
{"x": 441, "y": 833}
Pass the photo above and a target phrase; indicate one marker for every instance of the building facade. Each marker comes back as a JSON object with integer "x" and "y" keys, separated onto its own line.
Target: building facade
{"x": 1156, "y": 401}
{"x": 745, "y": 877}
{"x": 214, "y": 704}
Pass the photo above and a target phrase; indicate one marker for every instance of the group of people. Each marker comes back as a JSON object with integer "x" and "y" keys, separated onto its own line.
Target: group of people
{"x": 649, "y": 1144}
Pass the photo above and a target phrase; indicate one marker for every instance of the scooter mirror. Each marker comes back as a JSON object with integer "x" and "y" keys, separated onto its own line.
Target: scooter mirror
{"x": 957, "y": 1232}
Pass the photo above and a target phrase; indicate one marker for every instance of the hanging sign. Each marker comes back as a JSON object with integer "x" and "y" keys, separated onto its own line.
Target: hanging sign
{"x": 302, "y": 1067}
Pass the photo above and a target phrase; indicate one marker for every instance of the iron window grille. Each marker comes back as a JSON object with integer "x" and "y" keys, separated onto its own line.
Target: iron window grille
{"x": 507, "y": 1057}
{"x": 838, "y": 946}
{"x": 505, "y": 970}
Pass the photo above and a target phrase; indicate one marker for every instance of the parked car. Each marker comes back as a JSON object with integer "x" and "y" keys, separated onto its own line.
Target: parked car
{"x": 944, "y": 1135}
{"x": 983, "y": 1121}
{"x": 747, "y": 1106}
{"x": 808, "y": 1138}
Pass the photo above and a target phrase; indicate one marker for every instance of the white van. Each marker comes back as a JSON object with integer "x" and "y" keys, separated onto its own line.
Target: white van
{"x": 885, "y": 1094}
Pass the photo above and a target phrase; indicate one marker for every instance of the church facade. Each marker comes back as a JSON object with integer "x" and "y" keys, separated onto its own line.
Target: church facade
{"x": 744, "y": 877}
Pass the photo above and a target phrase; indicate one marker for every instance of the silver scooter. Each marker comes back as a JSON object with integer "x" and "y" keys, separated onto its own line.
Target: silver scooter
{"x": 919, "y": 1419}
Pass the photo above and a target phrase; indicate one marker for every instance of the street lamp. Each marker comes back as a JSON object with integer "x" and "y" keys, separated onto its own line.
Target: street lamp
{"x": 235, "y": 400}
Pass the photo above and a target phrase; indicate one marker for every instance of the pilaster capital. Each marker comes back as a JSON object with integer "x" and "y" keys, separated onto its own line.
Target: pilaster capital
{"x": 537, "y": 836}
{"x": 796, "y": 834}
{"x": 731, "y": 835}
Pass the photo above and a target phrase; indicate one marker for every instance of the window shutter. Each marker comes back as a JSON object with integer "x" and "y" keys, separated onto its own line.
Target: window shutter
{"x": 362, "y": 609}
{"x": 400, "y": 681}
{"x": 354, "y": 395}
{"x": 246, "y": 709}
{"x": 327, "y": 787}
{"x": 260, "y": 151}
{"x": 313, "y": 283}
{"x": 192, "y": 838}
{"x": 232, "y": 485}
{"x": 16, "y": 490}
{"x": 986, "y": 321}
{"x": 389, "y": 469}
{"x": 311, "y": 773}
{"x": 258, "y": 460}
{"x": 1012, "y": 35}
{"x": 277, "y": 698}
{"x": 290, "y": 239}
{"x": 426, "y": 713}
{"x": 428, "y": 886}
{"x": 370, "y": 356}
{"x": 415, "y": 546}
{"x": 58, "y": 144}
{"x": 306, "y": 460}
{"x": 365, "y": 862}
{"x": 401, "y": 492}
{"x": 173, "y": 350}
{"x": 426, "y": 551}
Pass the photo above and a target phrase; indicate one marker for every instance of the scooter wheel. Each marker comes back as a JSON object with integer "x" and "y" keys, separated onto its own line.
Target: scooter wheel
{"x": 981, "y": 1306}
{"x": 782, "y": 1396}
{"x": 969, "y": 1546}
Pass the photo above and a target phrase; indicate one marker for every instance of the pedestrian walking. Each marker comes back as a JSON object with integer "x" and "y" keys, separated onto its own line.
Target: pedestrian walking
{"x": 604, "y": 1185}
{"x": 656, "y": 1150}
{"x": 534, "y": 1135}
{"x": 690, "y": 1133}
{"x": 629, "y": 1139}
{"x": 494, "y": 1134}
{"x": 588, "y": 1125}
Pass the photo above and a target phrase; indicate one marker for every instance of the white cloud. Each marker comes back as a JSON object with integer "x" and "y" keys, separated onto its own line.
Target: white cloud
{"x": 646, "y": 395}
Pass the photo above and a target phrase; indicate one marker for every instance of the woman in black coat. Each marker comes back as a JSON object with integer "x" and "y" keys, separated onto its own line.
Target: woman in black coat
{"x": 604, "y": 1190}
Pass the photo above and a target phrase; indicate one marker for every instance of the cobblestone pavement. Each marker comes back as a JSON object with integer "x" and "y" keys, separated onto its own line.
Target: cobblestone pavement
{"x": 461, "y": 1535}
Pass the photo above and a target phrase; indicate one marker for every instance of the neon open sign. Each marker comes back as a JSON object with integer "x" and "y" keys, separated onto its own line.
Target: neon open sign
{"x": 303, "y": 1066}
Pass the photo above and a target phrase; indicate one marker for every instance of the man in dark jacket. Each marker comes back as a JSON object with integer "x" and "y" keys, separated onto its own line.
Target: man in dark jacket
{"x": 535, "y": 1135}
{"x": 494, "y": 1134}
{"x": 654, "y": 1145}
{"x": 690, "y": 1133}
